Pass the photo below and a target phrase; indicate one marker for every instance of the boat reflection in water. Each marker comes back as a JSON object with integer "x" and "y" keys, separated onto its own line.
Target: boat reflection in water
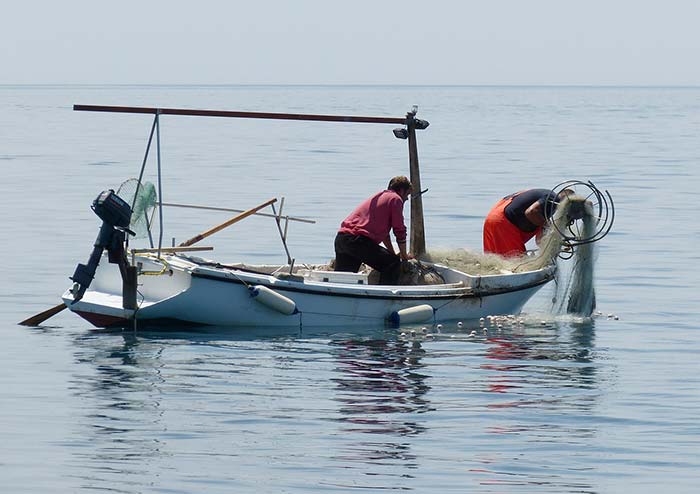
{"x": 122, "y": 424}
{"x": 335, "y": 409}
{"x": 380, "y": 388}
{"x": 549, "y": 352}
{"x": 543, "y": 390}
{"x": 154, "y": 399}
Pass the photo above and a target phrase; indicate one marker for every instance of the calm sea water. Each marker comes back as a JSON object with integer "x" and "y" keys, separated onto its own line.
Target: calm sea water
{"x": 608, "y": 405}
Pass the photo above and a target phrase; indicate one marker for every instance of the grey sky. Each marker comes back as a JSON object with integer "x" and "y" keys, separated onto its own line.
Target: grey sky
{"x": 599, "y": 42}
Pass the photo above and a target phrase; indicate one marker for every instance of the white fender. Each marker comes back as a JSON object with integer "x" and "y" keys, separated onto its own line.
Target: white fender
{"x": 418, "y": 313}
{"x": 273, "y": 300}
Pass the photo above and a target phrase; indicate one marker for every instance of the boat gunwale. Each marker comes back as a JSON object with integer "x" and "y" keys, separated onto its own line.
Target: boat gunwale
{"x": 399, "y": 292}
{"x": 455, "y": 293}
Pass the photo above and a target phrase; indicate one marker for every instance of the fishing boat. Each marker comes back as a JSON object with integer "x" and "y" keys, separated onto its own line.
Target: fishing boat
{"x": 192, "y": 290}
{"x": 125, "y": 286}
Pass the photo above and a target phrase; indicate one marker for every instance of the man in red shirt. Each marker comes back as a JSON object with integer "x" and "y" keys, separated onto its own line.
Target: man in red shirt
{"x": 369, "y": 225}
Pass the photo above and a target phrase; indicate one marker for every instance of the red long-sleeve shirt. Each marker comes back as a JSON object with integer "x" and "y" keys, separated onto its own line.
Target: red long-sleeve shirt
{"x": 376, "y": 216}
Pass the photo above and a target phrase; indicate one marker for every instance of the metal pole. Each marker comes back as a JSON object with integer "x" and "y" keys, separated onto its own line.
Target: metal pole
{"x": 212, "y": 208}
{"x": 143, "y": 168}
{"x": 160, "y": 185}
{"x": 282, "y": 235}
{"x": 148, "y": 228}
{"x": 240, "y": 114}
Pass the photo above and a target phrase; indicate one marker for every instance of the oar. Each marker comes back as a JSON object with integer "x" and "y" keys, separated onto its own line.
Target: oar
{"x": 223, "y": 225}
{"x": 43, "y": 316}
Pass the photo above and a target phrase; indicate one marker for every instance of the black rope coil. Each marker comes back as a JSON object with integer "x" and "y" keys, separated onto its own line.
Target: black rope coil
{"x": 603, "y": 212}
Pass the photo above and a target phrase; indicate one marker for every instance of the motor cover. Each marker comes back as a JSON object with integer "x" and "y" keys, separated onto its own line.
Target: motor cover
{"x": 112, "y": 209}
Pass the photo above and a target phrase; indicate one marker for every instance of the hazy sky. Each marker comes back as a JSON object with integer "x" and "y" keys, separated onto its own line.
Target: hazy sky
{"x": 601, "y": 42}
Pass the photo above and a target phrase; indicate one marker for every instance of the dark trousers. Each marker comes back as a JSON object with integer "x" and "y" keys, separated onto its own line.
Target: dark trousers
{"x": 353, "y": 250}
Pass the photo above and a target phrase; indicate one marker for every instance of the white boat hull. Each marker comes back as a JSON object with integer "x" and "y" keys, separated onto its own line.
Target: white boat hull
{"x": 192, "y": 293}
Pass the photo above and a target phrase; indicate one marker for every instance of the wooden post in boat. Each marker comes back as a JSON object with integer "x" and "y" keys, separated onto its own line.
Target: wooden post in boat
{"x": 129, "y": 287}
{"x": 417, "y": 246}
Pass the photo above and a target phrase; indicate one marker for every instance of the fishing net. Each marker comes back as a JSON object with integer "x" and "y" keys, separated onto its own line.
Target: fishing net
{"x": 472, "y": 263}
{"x": 572, "y": 240}
{"x": 575, "y": 292}
{"x": 142, "y": 199}
{"x": 413, "y": 272}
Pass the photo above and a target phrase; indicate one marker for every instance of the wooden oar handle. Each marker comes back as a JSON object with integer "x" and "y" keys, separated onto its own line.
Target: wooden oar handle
{"x": 223, "y": 225}
{"x": 43, "y": 316}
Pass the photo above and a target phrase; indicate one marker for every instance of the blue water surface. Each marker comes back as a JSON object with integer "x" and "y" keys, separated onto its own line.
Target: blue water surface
{"x": 555, "y": 404}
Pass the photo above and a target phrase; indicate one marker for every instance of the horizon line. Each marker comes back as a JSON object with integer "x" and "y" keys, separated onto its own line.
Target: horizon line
{"x": 301, "y": 85}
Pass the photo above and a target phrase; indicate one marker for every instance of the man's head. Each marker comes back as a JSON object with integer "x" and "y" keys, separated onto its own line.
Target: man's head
{"x": 552, "y": 202}
{"x": 401, "y": 185}
{"x": 574, "y": 209}
{"x": 563, "y": 194}
{"x": 577, "y": 205}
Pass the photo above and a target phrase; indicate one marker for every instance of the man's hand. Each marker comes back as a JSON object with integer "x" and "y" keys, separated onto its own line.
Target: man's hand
{"x": 403, "y": 254}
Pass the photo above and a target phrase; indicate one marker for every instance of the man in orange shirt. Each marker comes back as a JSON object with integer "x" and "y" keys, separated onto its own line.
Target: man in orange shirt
{"x": 517, "y": 218}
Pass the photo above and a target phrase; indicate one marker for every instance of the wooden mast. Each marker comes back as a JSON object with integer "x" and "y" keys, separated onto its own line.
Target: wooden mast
{"x": 417, "y": 245}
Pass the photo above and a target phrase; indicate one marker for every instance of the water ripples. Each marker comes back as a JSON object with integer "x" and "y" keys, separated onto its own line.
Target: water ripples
{"x": 550, "y": 405}
{"x": 376, "y": 403}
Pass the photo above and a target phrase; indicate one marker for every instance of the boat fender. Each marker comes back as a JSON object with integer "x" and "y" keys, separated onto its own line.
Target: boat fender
{"x": 273, "y": 300}
{"x": 418, "y": 313}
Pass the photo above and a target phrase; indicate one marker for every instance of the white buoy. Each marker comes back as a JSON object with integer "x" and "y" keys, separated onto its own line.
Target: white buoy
{"x": 459, "y": 324}
{"x": 273, "y": 300}
{"x": 418, "y": 313}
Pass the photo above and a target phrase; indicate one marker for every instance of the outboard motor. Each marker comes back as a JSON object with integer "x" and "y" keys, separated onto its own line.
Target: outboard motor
{"x": 115, "y": 214}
